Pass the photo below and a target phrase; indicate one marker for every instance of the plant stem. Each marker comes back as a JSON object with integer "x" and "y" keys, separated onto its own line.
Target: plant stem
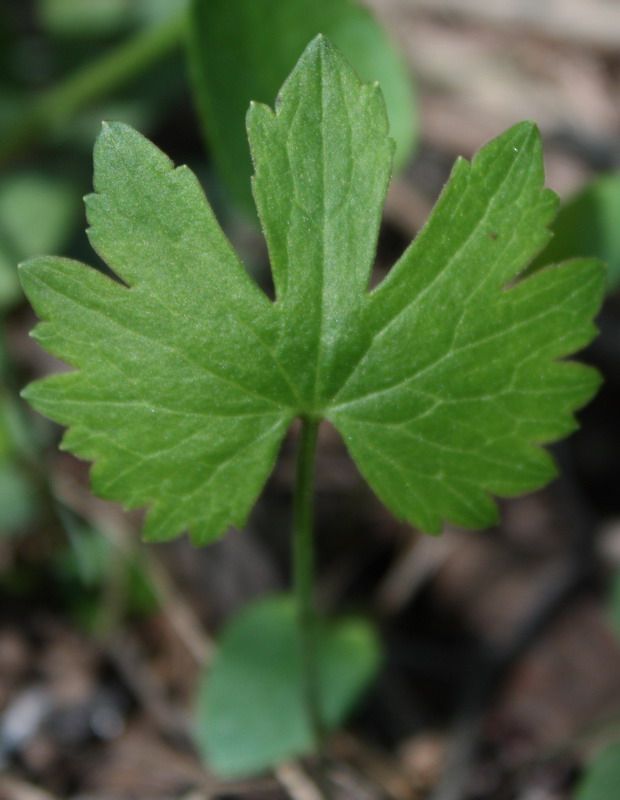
{"x": 53, "y": 108}
{"x": 303, "y": 576}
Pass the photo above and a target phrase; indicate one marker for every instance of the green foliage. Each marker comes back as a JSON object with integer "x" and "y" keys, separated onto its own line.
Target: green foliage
{"x": 614, "y": 604}
{"x": 242, "y": 50}
{"x": 443, "y": 380}
{"x": 18, "y": 500}
{"x": 102, "y": 582}
{"x": 100, "y": 18}
{"x": 587, "y": 225}
{"x": 249, "y": 713}
{"x": 37, "y": 213}
{"x": 76, "y": 18}
{"x": 602, "y": 778}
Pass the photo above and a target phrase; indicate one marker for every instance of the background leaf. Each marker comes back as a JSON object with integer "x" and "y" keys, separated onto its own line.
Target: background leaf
{"x": 101, "y": 18}
{"x": 249, "y": 713}
{"x": 18, "y": 500}
{"x": 242, "y": 50}
{"x": 587, "y": 225}
{"x": 602, "y": 777}
{"x": 37, "y": 214}
{"x": 97, "y": 18}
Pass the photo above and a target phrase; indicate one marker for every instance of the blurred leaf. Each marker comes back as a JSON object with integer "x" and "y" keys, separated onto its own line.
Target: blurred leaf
{"x": 242, "y": 50}
{"x": 9, "y": 285}
{"x": 602, "y": 775}
{"x": 101, "y": 18}
{"x": 141, "y": 593}
{"x": 82, "y": 18}
{"x": 17, "y": 499}
{"x": 601, "y": 780}
{"x": 587, "y": 225}
{"x": 12, "y": 103}
{"x": 614, "y": 603}
{"x": 139, "y": 112}
{"x": 87, "y": 558}
{"x": 6, "y": 441}
{"x": 101, "y": 580}
{"x": 37, "y": 214}
{"x": 250, "y": 713}
{"x": 158, "y": 10}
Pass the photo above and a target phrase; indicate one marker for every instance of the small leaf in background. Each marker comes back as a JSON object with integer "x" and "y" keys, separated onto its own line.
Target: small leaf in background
{"x": 614, "y": 604}
{"x": 37, "y": 214}
{"x": 18, "y": 502}
{"x": 601, "y": 779}
{"x": 102, "y": 580}
{"x": 443, "y": 382}
{"x": 77, "y": 18}
{"x": 242, "y": 50}
{"x": 601, "y": 775}
{"x": 250, "y": 714}
{"x": 153, "y": 11}
{"x": 587, "y": 225}
{"x": 102, "y": 18}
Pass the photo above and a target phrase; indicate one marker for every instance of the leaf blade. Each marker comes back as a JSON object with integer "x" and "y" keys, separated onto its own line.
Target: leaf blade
{"x": 320, "y": 190}
{"x": 162, "y": 406}
{"x": 443, "y": 418}
{"x": 444, "y": 380}
{"x": 250, "y": 713}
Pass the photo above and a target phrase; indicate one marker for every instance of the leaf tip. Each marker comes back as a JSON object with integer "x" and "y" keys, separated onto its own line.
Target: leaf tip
{"x": 26, "y": 392}
{"x": 317, "y": 47}
{"x": 111, "y": 135}
{"x": 27, "y": 272}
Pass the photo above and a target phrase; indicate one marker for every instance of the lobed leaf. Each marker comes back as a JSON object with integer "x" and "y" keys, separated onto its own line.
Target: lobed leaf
{"x": 37, "y": 214}
{"x": 587, "y": 225}
{"x": 444, "y": 380}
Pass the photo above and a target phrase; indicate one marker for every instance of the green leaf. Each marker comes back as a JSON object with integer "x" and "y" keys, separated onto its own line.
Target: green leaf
{"x": 18, "y": 500}
{"x": 92, "y": 568}
{"x": 242, "y": 50}
{"x": 101, "y": 18}
{"x": 443, "y": 381}
{"x": 614, "y": 603}
{"x": 602, "y": 776}
{"x": 76, "y": 18}
{"x": 250, "y": 714}
{"x": 587, "y": 225}
{"x": 37, "y": 213}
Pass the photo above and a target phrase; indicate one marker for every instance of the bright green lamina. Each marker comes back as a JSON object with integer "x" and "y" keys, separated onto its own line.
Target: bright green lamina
{"x": 442, "y": 381}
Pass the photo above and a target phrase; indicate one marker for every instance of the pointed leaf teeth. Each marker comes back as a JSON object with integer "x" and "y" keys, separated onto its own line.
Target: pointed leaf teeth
{"x": 190, "y": 380}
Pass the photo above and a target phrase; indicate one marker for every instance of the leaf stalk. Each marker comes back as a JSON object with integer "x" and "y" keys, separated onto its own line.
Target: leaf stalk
{"x": 303, "y": 579}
